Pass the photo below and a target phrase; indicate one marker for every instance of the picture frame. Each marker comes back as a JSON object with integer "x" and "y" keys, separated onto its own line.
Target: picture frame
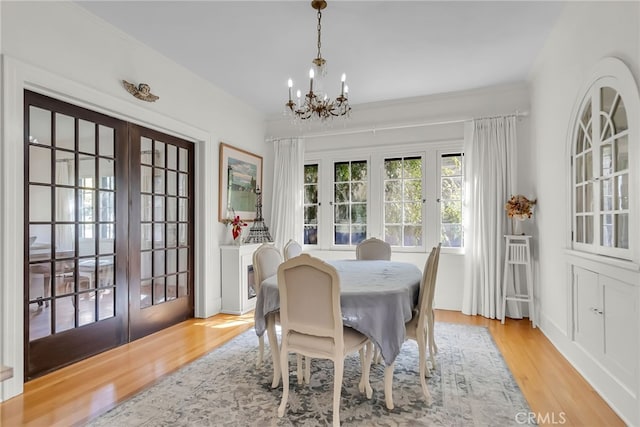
{"x": 240, "y": 174}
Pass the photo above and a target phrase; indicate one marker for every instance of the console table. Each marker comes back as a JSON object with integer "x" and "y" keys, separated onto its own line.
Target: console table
{"x": 236, "y": 269}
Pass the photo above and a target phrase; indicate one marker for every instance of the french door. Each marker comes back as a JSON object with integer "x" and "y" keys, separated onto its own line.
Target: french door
{"x": 161, "y": 242}
{"x": 94, "y": 187}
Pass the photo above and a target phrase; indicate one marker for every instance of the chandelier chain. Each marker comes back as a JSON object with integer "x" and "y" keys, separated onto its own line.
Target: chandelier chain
{"x": 319, "y": 32}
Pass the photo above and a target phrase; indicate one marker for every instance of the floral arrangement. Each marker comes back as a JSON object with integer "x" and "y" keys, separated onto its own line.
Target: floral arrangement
{"x": 236, "y": 225}
{"x": 519, "y": 207}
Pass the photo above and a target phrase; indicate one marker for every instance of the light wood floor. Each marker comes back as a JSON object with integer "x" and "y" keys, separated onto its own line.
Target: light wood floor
{"x": 75, "y": 394}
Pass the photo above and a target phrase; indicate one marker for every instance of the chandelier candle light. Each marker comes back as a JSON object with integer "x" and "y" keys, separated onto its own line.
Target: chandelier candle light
{"x": 318, "y": 105}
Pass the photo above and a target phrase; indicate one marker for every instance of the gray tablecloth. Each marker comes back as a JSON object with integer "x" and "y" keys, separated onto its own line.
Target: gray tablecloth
{"x": 377, "y": 298}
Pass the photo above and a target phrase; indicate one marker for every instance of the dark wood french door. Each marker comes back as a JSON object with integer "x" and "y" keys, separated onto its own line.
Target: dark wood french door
{"x": 161, "y": 242}
{"x": 105, "y": 205}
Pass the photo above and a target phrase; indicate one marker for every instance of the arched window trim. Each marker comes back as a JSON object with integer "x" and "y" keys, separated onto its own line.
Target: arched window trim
{"x": 609, "y": 72}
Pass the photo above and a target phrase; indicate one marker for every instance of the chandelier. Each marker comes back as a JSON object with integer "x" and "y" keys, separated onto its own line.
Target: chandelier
{"x": 318, "y": 105}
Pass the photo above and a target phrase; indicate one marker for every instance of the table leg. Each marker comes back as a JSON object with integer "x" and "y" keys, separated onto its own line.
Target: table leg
{"x": 366, "y": 355}
{"x": 275, "y": 350}
{"x": 388, "y": 383}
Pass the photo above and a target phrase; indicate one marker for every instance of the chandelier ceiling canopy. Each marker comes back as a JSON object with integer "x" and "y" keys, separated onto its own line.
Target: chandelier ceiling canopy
{"x": 317, "y": 105}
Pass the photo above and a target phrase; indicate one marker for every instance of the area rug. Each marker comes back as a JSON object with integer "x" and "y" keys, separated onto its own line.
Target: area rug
{"x": 471, "y": 386}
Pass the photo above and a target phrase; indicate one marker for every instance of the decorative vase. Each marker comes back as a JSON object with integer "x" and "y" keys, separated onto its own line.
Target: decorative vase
{"x": 516, "y": 226}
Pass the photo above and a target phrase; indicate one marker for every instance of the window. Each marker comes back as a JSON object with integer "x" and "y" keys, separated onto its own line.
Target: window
{"x": 350, "y": 202}
{"x": 584, "y": 179}
{"x": 451, "y": 185}
{"x": 409, "y": 195}
{"x": 403, "y": 201}
{"x": 311, "y": 204}
{"x": 601, "y": 147}
{"x": 614, "y": 171}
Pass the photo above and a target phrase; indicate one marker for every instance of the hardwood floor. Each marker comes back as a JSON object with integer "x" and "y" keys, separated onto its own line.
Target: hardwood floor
{"x": 556, "y": 393}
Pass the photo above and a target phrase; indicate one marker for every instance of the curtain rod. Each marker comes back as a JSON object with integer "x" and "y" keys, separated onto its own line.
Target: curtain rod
{"x": 407, "y": 126}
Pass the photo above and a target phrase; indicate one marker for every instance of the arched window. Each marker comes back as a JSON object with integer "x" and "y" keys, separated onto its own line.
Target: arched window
{"x": 605, "y": 163}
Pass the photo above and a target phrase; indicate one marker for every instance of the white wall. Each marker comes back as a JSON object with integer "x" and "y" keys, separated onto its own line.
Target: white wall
{"x": 419, "y": 122}
{"x": 585, "y": 32}
{"x": 60, "y": 49}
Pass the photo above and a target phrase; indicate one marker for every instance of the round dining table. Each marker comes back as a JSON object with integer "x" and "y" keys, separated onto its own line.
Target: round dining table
{"x": 377, "y": 298}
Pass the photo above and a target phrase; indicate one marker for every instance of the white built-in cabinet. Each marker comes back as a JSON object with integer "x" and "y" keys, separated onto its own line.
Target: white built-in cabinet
{"x": 604, "y": 255}
{"x": 606, "y": 322}
{"x": 236, "y": 270}
{"x": 606, "y": 326}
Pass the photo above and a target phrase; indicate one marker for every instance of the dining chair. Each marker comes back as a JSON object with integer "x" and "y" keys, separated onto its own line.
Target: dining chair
{"x": 433, "y": 348}
{"x": 420, "y": 327}
{"x": 291, "y": 249}
{"x": 266, "y": 260}
{"x": 373, "y": 249}
{"x": 311, "y": 320}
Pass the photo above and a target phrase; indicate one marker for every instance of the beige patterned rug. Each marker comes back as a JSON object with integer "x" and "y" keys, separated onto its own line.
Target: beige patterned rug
{"x": 470, "y": 387}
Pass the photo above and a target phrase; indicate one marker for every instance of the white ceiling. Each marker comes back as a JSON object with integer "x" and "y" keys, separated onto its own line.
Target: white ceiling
{"x": 388, "y": 49}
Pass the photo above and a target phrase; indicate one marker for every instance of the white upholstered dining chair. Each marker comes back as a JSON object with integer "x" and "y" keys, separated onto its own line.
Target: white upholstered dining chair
{"x": 433, "y": 348}
{"x": 291, "y": 249}
{"x": 266, "y": 260}
{"x": 420, "y": 327}
{"x": 373, "y": 249}
{"x": 311, "y": 319}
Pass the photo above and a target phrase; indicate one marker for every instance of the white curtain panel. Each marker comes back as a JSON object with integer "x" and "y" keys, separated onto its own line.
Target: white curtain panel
{"x": 490, "y": 154}
{"x": 287, "y": 204}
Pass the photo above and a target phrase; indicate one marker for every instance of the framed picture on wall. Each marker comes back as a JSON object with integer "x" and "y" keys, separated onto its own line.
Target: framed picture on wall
{"x": 240, "y": 175}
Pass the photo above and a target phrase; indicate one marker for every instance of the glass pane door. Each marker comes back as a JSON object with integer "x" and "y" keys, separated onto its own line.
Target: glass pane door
{"x": 109, "y": 253}
{"x": 76, "y": 200}
{"x": 161, "y": 240}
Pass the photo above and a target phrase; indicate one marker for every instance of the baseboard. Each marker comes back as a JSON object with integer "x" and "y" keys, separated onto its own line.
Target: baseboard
{"x": 617, "y": 396}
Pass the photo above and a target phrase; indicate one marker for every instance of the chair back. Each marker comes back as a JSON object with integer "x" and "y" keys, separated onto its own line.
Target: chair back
{"x": 434, "y": 275}
{"x": 291, "y": 249}
{"x": 266, "y": 260}
{"x": 373, "y": 249}
{"x": 428, "y": 285}
{"x": 310, "y": 298}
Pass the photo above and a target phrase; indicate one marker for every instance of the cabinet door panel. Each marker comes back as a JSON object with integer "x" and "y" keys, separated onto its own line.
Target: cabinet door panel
{"x": 588, "y": 321}
{"x": 620, "y": 329}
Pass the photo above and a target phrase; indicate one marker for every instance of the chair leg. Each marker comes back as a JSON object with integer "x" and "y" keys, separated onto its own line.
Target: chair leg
{"x": 299, "y": 368}
{"x": 284, "y": 362}
{"x": 260, "y": 351}
{"x": 307, "y": 369}
{"x": 363, "y": 356}
{"x": 377, "y": 355}
{"x": 432, "y": 343}
{"x": 422, "y": 346}
{"x": 275, "y": 355}
{"x": 367, "y": 370}
{"x": 388, "y": 383}
{"x": 427, "y": 350}
{"x": 338, "y": 368}
{"x": 432, "y": 355}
